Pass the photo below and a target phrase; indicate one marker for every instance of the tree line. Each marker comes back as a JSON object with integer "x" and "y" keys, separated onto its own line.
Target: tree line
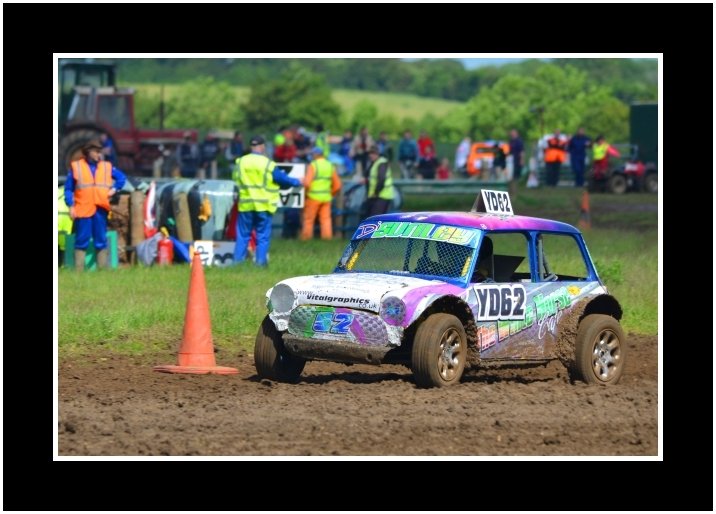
{"x": 533, "y": 96}
{"x": 629, "y": 79}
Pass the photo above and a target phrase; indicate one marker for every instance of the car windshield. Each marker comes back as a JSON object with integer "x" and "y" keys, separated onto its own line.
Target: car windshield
{"x": 437, "y": 251}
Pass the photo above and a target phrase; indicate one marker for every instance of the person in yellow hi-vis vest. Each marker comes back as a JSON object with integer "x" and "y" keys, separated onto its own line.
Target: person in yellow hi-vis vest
{"x": 321, "y": 183}
{"x": 380, "y": 184}
{"x": 64, "y": 223}
{"x": 259, "y": 182}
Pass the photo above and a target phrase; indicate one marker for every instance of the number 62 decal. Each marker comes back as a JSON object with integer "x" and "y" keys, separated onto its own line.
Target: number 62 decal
{"x": 333, "y": 322}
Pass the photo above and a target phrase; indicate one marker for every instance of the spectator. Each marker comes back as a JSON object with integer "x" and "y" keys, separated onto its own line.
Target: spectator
{"x": 209, "y": 152}
{"x": 424, "y": 142}
{"x": 188, "y": 157}
{"x": 359, "y": 151}
{"x": 322, "y": 139}
{"x": 499, "y": 162}
{"x": 284, "y": 150}
{"x": 517, "y": 151}
{"x": 90, "y": 184}
{"x": 379, "y": 186}
{"x": 407, "y": 154}
{"x": 345, "y": 151}
{"x": 169, "y": 166}
{"x": 384, "y": 147}
{"x": 427, "y": 164}
{"x": 259, "y": 181}
{"x": 322, "y": 184}
{"x": 444, "y": 169}
{"x": 108, "y": 151}
{"x": 303, "y": 145}
{"x": 600, "y": 157}
{"x": 461, "y": 155}
{"x": 64, "y": 224}
{"x": 235, "y": 149}
{"x": 577, "y": 147}
{"x": 554, "y": 157}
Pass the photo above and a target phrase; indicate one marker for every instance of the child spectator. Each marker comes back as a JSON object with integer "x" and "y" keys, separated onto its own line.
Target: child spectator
{"x": 444, "y": 169}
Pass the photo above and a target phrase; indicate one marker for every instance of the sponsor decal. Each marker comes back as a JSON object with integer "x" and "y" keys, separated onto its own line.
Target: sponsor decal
{"x": 544, "y": 311}
{"x": 549, "y": 310}
{"x": 430, "y": 231}
{"x": 337, "y": 299}
{"x": 365, "y": 230}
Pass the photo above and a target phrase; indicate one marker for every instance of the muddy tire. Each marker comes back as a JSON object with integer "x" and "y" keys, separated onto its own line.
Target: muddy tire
{"x": 439, "y": 351}
{"x": 271, "y": 358}
{"x": 651, "y": 183}
{"x": 617, "y": 184}
{"x": 70, "y": 148}
{"x": 599, "y": 350}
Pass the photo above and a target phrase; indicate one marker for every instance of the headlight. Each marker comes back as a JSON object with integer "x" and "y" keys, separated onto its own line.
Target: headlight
{"x": 282, "y": 298}
{"x": 392, "y": 310}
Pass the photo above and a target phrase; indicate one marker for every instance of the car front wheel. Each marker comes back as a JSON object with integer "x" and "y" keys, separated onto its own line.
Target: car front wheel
{"x": 271, "y": 358}
{"x": 600, "y": 350}
{"x": 439, "y": 351}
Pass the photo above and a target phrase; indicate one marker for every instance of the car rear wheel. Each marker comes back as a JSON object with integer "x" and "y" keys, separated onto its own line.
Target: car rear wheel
{"x": 271, "y": 358}
{"x": 600, "y": 350}
{"x": 439, "y": 351}
{"x": 618, "y": 184}
{"x": 651, "y": 183}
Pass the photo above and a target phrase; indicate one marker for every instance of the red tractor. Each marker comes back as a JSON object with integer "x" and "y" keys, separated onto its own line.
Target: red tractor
{"x": 90, "y": 104}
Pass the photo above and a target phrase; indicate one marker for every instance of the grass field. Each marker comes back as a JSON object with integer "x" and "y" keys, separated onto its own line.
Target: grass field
{"x": 136, "y": 310}
{"x": 399, "y": 105}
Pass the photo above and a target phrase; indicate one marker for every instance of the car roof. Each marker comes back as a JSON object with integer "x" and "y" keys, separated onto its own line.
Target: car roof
{"x": 479, "y": 220}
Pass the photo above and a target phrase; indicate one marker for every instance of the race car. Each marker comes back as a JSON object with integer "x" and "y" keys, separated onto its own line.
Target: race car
{"x": 443, "y": 291}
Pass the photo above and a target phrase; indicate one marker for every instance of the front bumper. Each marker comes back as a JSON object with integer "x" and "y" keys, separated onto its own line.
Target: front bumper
{"x": 333, "y": 350}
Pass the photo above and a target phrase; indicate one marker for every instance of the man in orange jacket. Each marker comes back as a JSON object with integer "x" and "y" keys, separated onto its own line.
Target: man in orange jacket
{"x": 554, "y": 156}
{"x": 321, "y": 183}
{"x": 90, "y": 183}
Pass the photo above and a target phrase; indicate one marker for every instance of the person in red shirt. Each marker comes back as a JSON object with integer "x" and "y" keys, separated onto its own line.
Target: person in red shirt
{"x": 424, "y": 143}
{"x": 285, "y": 152}
{"x": 444, "y": 169}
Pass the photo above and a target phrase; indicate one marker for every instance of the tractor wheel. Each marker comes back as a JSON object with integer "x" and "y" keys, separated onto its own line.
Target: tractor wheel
{"x": 71, "y": 146}
{"x": 617, "y": 184}
{"x": 439, "y": 351}
{"x": 271, "y": 358}
{"x": 651, "y": 183}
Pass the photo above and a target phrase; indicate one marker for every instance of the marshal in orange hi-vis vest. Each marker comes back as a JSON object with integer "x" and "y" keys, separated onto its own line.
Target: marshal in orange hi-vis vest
{"x": 91, "y": 192}
{"x": 555, "y": 151}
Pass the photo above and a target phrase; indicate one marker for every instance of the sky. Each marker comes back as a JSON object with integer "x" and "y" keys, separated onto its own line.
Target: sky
{"x": 471, "y": 64}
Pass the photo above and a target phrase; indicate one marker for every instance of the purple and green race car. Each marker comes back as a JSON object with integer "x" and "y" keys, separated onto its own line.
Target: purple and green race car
{"x": 440, "y": 291}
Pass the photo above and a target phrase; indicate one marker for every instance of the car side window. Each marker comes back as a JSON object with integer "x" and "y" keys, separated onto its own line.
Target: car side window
{"x": 559, "y": 258}
{"x": 507, "y": 262}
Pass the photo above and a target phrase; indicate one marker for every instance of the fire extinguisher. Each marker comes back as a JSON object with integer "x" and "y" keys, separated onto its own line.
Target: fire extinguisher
{"x": 165, "y": 249}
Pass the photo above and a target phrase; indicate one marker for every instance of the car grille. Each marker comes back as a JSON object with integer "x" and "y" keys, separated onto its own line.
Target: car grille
{"x": 364, "y": 328}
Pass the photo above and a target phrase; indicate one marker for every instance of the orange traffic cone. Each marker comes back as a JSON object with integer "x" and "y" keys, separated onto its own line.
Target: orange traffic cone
{"x": 585, "y": 218}
{"x": 196, "y": 354}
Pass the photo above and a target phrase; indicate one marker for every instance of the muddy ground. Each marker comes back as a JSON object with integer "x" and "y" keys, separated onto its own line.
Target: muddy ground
{"x": 116, "y": 405}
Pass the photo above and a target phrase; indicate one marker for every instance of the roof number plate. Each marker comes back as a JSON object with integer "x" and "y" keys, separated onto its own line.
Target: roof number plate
{"x": 494, "y": 202}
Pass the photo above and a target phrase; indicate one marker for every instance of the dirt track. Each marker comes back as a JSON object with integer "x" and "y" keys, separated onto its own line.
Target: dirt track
{"x": 118, "y": 406}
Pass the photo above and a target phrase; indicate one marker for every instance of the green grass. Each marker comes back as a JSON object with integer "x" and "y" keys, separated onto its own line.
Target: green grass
{"x": 399, "y": 105}
{"x": 139, "y": 310}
